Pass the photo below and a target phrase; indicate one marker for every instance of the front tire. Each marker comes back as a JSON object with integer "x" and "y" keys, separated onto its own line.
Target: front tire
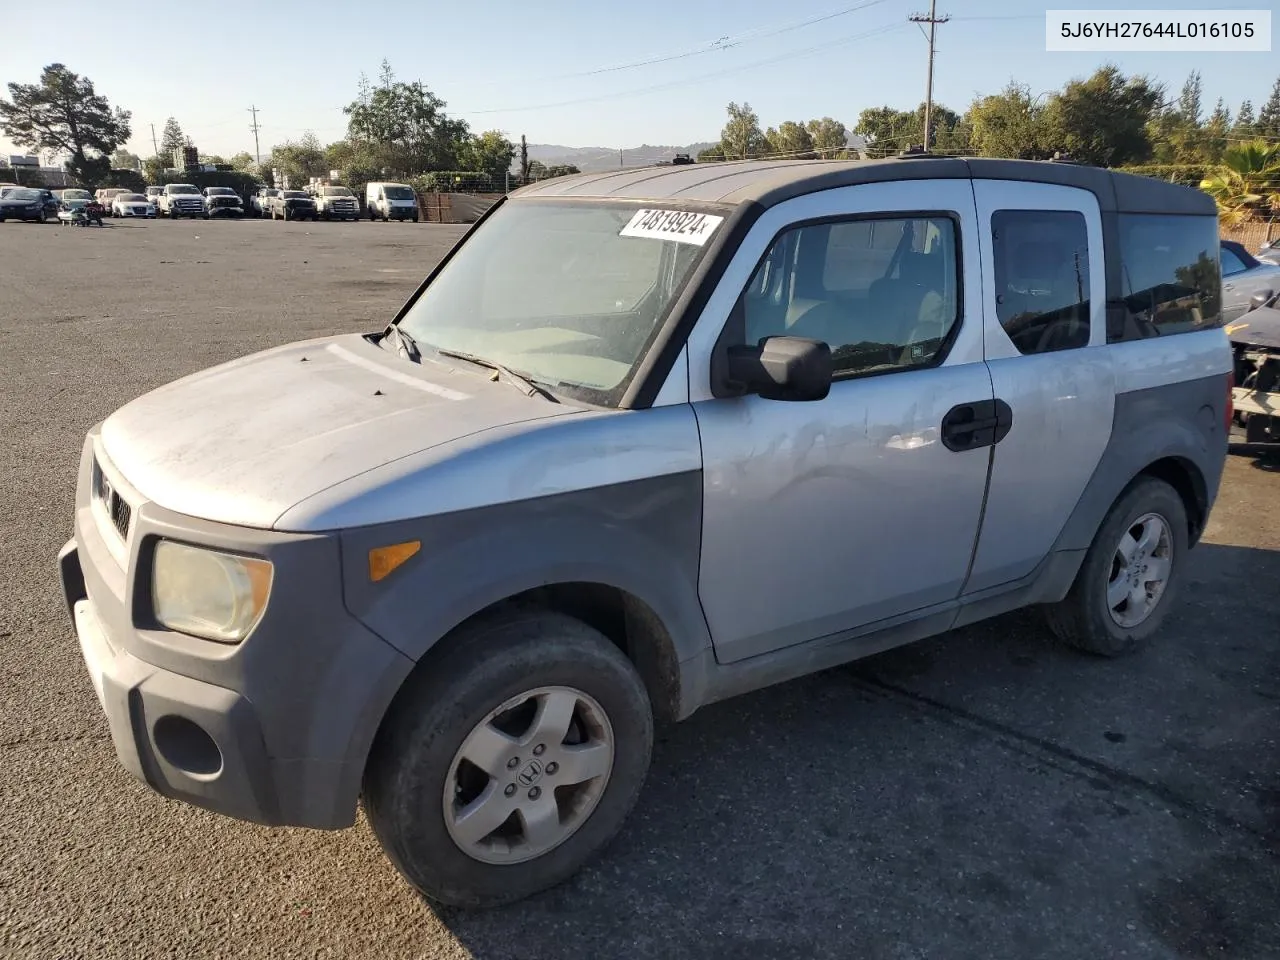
{"x": 1130, "y": 575}
{"x": 510, "y": 760}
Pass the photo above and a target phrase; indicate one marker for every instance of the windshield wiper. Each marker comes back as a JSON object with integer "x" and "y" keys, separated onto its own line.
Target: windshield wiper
{"x": 520, "y": 380}
{"x": 404, "y": 342}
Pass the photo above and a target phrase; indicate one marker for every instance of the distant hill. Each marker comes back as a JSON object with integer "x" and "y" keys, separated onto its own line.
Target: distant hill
{"x": 593, "y": 159}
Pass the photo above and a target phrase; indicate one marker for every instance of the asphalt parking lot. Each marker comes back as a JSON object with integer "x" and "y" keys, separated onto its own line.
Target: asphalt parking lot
{"x": 980, "y": 795}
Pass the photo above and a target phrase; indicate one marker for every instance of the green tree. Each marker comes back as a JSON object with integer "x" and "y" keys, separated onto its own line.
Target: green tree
{"x": 1216, "y": 130}
{"x": 887, "y": 130}
{"x": 153, "y": 168}
{"x": 1246, "y": 123}
{"x": 710, "y": 154}
{"x": 742, "y": 137}
{"x": 490, "y": 153}
{"x": 1102, "y": 120}
{"x": 790, "y": 140}
{"x": 830, "y": 137}
{"x": 404, "y": 126}
{"x": 172, "y": 138}
{"x": 63, "y": 112}
{"x": 1245, "y": 183}
{"x": 299, "y": 160}
{"x": 1189, "y": 100}
{"x": 1007, "y": 124}
{"x": 243, "y": 161}
{"x": 1269, "y": 115}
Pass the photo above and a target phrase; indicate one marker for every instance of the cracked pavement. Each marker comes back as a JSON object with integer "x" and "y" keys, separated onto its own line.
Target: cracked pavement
{"x": 984, "y": 794}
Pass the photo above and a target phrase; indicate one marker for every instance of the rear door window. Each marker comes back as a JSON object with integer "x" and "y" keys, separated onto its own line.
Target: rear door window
{"x": 1042, "y": 278}
{"x": 1171, "y": 281}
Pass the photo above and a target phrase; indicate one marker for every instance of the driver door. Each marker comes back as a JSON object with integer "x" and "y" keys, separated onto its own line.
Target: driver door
{"x": 849, "y": 513}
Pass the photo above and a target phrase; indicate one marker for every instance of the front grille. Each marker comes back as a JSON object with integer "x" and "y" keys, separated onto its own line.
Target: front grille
{"x": 116, "y": 506}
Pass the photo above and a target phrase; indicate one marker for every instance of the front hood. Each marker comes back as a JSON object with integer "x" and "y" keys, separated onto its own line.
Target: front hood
{"x": 1260, "y": 328}
{"x": 244, "y": 441}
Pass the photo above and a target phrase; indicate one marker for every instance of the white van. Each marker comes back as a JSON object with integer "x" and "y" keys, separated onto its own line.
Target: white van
{"x": 391, "y": 201}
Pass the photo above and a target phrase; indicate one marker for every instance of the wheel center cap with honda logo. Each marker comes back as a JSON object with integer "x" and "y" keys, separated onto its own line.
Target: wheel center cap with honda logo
{"x": 531, "y": 773}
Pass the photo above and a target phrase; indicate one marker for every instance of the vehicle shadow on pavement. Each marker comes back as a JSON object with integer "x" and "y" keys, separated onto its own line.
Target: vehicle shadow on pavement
{"x": 983, "y": 794}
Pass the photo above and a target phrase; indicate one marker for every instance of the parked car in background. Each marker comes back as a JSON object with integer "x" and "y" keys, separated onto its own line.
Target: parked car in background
{"x": 107, "y": 194}
{"x": 51, "y": 202}
{"x": 293, "y": 205}
{"x": 181, "y": 200}
{"x": 336, "y": 202}
{"x": 222, "y": 202}
{"x": 391, "y": 201}
{"x": 260, "y": 202}
{"x": 1269, "y": 252}
{"x": 75, "y": 193}
{"x": 132, "y": 205}
{"x": 25, "y": 203}
{"x": 1244, "y": 277}
{"x": 153, "y": 194}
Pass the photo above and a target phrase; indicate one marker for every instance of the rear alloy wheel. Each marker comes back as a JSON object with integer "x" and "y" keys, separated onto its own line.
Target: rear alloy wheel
{"x": 510, "y": 762}
{"x": 1130, "y": 575}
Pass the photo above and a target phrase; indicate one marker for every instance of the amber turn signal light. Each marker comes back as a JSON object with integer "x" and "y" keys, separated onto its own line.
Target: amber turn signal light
{"x": 384, "y": 560}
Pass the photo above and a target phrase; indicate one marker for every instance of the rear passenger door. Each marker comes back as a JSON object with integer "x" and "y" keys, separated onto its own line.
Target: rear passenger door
{"x": 845, "y": 513}
{"x": 1045, "y": 343}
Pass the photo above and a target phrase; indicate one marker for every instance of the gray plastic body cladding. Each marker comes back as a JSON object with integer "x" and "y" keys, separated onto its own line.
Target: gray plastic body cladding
{"x": 304, "y": 693}
{"x": 642, "y": 536}
{"x": 1181, "y": 420}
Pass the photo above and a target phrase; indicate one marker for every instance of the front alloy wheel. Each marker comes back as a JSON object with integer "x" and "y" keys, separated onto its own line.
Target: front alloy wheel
{"x": 529, "y": 775}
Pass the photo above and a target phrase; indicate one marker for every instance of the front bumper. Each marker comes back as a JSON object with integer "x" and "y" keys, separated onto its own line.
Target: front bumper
{"x": 274, "y": 730}
{"x": 226, "y": 211}
{"x": 402, "y": 213}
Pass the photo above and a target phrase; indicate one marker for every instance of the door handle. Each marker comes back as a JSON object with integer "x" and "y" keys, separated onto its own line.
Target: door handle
{"x": 969, "y": 426}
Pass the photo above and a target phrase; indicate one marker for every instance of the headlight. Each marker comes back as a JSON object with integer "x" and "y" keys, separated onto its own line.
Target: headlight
{"x": 219, "y": 596}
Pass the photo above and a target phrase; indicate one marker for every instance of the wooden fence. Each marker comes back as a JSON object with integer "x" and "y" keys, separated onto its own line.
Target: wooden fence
{"x": 1252, "y": 235}
{"x": 455, "y": 207}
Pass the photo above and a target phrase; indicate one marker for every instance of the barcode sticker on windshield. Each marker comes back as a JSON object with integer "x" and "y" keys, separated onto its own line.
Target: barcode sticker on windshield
{"x": 679, "y": 225}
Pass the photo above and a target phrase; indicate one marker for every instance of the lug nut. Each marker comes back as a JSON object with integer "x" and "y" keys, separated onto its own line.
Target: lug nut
{"x": 552, "y": 767}
{"x": 511, "y": 764}
{"x": 535, "y": 793}
{"x": 511, "y": 789}
{"x": 537, "y": 751}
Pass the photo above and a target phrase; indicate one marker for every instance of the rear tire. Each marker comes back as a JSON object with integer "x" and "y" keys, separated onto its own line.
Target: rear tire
{"x": 500, "y": 674}
{"x": 1086, "y": 618}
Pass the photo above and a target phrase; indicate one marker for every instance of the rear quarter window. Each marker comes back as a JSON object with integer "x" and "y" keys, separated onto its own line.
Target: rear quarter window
{"x": 1171, "y": 280}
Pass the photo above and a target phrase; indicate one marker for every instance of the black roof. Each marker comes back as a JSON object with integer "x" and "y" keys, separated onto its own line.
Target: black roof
{"x": 768, "y": 182}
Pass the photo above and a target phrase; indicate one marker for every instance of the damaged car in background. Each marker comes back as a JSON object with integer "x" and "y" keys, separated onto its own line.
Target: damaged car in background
{"x": 1255, "y": 346}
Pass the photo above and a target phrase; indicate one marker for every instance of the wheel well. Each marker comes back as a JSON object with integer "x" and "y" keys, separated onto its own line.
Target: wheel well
{"x": 626, "y": 620}
{"x": 1186, "y": 478}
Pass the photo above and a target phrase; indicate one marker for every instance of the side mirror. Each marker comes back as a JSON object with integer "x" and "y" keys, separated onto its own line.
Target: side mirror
{"x": 783, "y": 368}
{"x": 1259, "y": 299}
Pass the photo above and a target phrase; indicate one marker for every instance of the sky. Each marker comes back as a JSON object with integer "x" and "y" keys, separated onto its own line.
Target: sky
{"x": 577, "y": 72}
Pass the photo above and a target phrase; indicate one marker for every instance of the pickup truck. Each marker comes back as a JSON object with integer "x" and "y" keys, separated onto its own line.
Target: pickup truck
{"x": 222, "y": 202}
{"x": 336, "y": 203}
{"x": 181, "y": 200}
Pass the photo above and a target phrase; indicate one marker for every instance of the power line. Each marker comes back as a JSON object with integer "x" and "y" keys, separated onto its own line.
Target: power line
{"x": 639, "y": 91}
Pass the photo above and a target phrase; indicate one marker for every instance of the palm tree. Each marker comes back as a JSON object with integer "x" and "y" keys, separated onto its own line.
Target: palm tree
{"x": 1246, "y": 184}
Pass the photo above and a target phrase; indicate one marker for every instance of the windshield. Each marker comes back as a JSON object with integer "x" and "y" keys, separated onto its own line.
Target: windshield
{"x": 569, "y": 294}
{"x": 76, "y": 195}
{"x": 21, "y": 193}
{"x": 131, "y": 198}
{"x": 292, "y": 194}
{"x": 398, "y": 193}
{"x": 182, "y": 188}
{"x": 221, "y": 192}
{"x": 337, "y": 192}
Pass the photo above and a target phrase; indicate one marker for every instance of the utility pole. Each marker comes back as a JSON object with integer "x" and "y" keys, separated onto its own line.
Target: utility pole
{"x": 154, "y": 143}
{"x": 257, "y": 151}
{"x": 932, "y": 20}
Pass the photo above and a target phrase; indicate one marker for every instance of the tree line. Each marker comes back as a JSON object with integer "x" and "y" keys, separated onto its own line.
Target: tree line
{"x": 1107, "y": 119}
{"x": 395, "y": 130}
